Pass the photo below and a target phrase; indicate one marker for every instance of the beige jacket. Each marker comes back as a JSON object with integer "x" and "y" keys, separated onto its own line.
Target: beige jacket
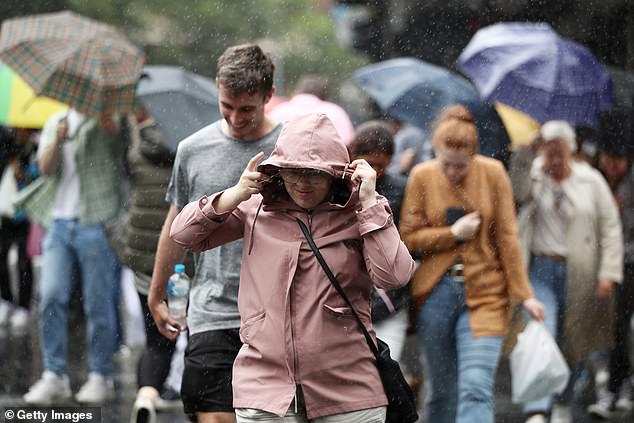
{"x": 595, "y": 250}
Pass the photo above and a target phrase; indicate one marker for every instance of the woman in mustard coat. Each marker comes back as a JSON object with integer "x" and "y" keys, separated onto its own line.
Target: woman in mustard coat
{"x": 459, "y": 218}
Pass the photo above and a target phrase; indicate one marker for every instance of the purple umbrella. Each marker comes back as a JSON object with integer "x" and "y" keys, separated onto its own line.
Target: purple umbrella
{"x": 533, "y": 69}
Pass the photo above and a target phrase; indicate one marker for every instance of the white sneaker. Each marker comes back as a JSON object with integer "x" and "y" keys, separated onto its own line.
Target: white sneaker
{"x": 97, "y": 390}
{"x": 536, "y": 418}
{"x": 5, "y": 312}
{"x": 624, "y": 401}
{"x": 601, "y": 376}
{"x": 50, "y": 389}
{"x": 143, "y": 411}
{"x": 19, "y": 319}
{"x": 561, "y": 414}
{"x": 603, "y": 408}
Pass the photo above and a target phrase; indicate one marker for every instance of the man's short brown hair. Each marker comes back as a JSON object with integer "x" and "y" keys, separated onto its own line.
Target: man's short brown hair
{"x": 245, "y": 69}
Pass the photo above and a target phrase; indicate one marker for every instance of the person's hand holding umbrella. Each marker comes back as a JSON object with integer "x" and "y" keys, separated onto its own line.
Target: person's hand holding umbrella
{"x": 51, "y": 156}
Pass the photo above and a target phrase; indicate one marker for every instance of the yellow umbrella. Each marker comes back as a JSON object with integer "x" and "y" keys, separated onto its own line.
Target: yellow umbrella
{"x": 520, "y": 127}
{"x": 19, "y": 107}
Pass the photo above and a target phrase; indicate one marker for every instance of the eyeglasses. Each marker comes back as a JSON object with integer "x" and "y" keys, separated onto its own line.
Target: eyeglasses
{"x": 312, "y": 176}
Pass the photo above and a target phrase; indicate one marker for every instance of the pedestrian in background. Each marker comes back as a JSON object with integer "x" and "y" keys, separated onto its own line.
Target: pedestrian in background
{"x": 459, "y": 217}
{"x": 304, "y": 356}
{"x": 615, "y": 162}
{"x": 16, "y": 169}
{"x": 571, "y": 237}
{"x": 207, "y": 161}
{"x": 80, "y": 190}
{"x": 150, "y": 165}
{"x": 411, "y": 146}
{"x": 14, "y": 227}
{"x": 373, "y": 143}
{"x": 311, "y": 96}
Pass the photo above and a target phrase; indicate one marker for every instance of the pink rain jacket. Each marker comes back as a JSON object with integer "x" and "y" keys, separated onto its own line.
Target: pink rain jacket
{"x": 295, "y": 327}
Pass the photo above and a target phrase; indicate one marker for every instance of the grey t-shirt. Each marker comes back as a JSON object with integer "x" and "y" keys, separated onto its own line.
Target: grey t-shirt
{"x": 206, "y": 162}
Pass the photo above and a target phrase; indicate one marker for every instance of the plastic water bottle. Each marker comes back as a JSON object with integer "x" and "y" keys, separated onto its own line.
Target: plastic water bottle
{"x": 178, "y": 294}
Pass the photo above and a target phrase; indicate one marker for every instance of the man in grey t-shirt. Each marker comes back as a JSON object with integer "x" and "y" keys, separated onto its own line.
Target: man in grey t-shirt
{"x": 208, "y": 161}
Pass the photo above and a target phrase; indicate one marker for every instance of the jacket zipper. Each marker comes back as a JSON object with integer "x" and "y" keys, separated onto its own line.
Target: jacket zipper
{"x": 295, "y": 362}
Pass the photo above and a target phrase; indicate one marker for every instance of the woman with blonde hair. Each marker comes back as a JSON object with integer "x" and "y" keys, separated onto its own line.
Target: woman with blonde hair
{"x": 459, "y": 217}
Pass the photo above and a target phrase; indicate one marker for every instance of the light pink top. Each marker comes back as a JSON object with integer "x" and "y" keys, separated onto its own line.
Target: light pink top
{"x": 302, "y": 104}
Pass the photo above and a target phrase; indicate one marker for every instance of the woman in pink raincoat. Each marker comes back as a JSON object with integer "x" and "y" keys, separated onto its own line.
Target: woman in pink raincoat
{"x": 303, "y": 355}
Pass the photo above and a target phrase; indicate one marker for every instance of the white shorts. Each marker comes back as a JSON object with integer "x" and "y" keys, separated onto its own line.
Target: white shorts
{"x": 293, "y": 415}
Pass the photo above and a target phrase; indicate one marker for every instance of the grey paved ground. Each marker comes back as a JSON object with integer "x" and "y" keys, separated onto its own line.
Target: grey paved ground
{"x": 21, "y": 365}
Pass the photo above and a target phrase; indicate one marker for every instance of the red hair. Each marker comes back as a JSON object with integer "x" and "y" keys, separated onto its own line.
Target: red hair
{"x": 455, "y": 129}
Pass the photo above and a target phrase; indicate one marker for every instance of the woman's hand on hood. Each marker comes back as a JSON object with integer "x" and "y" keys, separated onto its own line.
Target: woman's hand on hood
{"x": 366, "y": 177}
{"x": 251, "y": 182}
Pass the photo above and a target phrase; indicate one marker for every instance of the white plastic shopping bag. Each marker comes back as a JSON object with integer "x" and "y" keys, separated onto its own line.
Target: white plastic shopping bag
{"x": 133, "y": 324}
{"x": 538, "y": 368}
{"x": 8, "y": 192}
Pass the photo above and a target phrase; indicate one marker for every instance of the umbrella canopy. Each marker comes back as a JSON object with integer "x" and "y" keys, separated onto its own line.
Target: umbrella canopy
{"x": 520, "y": 127}
{"x": 616, "y": 127}
{"x": 19, "y": 106}
{"x": 533, "y": 69}
{"x": 73, "y": 59}
{"x": 415, "y": 91}
{"x": 180, "y": 102}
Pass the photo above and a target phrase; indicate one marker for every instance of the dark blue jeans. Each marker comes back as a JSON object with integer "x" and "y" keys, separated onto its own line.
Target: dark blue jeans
{"x": 620, "y": 367}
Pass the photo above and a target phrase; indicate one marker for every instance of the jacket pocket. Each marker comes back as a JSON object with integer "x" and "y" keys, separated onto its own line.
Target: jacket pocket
{"x": 339, "y": 323}
{"x": 339, "y": 311}
{"x": 251, "y": 326}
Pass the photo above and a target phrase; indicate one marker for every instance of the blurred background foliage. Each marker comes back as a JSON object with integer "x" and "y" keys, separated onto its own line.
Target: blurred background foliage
{"x": 334, "y": 37}
{"x": 193, "y": 33}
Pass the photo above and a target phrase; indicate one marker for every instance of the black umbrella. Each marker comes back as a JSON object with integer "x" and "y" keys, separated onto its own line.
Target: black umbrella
{"x": 616, "y": 127}
{"x": 181, "y": 102}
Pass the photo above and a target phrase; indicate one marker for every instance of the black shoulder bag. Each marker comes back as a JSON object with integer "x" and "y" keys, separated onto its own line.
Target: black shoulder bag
{"x": 401, "y": 406}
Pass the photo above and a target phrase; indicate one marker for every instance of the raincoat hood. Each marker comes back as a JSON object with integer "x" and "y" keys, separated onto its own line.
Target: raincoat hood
{"x": 309, "y": 142}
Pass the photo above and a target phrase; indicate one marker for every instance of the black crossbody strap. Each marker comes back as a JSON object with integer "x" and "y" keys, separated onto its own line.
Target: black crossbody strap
{"x": 335, "y": 283}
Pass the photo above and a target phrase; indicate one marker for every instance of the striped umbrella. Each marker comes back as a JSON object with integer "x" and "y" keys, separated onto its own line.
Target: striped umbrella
{"x": 19, "y": 106}
{"x": 73, "y": 59}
